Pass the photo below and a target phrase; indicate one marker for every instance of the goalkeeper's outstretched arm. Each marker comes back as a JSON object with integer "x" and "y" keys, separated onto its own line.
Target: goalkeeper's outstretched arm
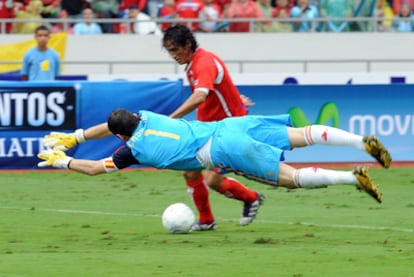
{"x": 64, "y": 142}
{"x": 87, "y": 167}
{"x": 59, "y": 159}
{"x": 97, "y": 131}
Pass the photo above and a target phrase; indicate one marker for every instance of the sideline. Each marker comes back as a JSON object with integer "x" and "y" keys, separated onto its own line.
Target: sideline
{"x": 102, "y": 213}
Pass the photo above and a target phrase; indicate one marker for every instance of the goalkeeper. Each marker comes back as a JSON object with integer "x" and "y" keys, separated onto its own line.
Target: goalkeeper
{"x": 165, "y": 143}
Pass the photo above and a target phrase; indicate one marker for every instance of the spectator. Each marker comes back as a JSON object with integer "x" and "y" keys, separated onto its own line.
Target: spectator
{"x": 41, "y": 63}
{"x": 209, "y": 16}
{"x": 384, "y": 11}
{"x": 143, "y": 25}
{"x": 338, "y": 10}
{"x": 32, "y": 12}
{"x": 6, "y": 12}
{"x": 50, "y": 8}
{"x": 281, "y": 5}
{"x": 20, "y": 5}
{"x": 223, "y": 4}
{"x": 125, "y": 4}
{"x": 266, "y": 8}
{"x": 63, "y": 25}
{"x": 74, "y": 8}
{"x": 105, "y": 9}
{"x": 363, "y": 9}
{"x": 166, "y": 11}
{"x": 303, "y": 10}
{"x": 403, "y": 22}
{"x": 87, "y": 27}
{"x": 189, "y": 9}
{"x": 397, "y": 4}
{"x": 282, "y": 11}
{"x": 242, "y": 9}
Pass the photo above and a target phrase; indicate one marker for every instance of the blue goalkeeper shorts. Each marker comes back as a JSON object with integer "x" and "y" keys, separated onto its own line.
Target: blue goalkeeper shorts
{"x": 252, "y": 146}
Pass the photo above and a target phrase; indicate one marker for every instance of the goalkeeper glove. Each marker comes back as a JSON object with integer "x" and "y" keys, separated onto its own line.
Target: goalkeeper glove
{"x": 55, "y": 158}
{"x": 63, "y": 141}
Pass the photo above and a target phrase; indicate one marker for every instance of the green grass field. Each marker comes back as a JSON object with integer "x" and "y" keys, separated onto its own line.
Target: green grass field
{"x": 66, "y": 224}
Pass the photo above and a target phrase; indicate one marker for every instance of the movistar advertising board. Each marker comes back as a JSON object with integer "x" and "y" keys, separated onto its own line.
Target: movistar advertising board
{"x": 29, "y": 110}
{"x": 384, "y": 110}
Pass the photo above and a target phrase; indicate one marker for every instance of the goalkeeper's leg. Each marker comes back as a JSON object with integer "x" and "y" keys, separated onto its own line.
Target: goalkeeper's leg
{"x": 326, "y": 135}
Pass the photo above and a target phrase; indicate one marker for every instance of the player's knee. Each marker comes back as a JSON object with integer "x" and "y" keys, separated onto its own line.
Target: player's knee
{"x": 190, "y": 176}
{"x": 213, "y": 180}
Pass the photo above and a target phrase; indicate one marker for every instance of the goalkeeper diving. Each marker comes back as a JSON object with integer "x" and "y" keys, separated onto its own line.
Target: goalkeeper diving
{"x": 251, "y": 146}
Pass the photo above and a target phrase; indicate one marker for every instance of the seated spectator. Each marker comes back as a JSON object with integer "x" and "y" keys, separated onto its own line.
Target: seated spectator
{"x": 363, "y": 9}
{"x": 50, "y": 8}
{"x": 209, "y": 16}
{"x": 281, "y": 5}
{"x": 6, "y": 12}
{"x": 105, "y": 9}
{"x": 397, "y": 4}
{"x": 125, "y": 4}
{"x": 144, "y": 25}
{"x": 63, "y": 26}
{"x": 337, "y": 12}
{"x": 74, "y": 8}
{"x": 166, "y": 11}
{"x": 303, "y": 10}
{"x": 87, "y": 27}
{"x": 32, "y": 12}
{"x": 282, "y": 11}
{"x": 242, "y": 9}
{"x": 384, "y": 11}
{"x": 400, "y": 22}
{"x": 189, "y": 9}
{"x": 266, "y": 8}
{"x": 223, "y": 4}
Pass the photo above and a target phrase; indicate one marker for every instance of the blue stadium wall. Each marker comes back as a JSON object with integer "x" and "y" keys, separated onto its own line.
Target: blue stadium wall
{"x": 28, "y": 111}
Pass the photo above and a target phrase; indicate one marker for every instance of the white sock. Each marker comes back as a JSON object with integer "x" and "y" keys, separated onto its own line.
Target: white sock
{"x": 314, "y": 177}
{"x": 326, "y": 135}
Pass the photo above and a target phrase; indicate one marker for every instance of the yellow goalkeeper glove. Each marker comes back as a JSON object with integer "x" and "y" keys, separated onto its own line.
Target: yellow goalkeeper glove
{"x": 63, "y": 141}
{"x": 55, "y": 158}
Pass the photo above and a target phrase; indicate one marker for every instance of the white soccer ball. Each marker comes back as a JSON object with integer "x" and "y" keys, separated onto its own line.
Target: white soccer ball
{"x": 178, "y": 218}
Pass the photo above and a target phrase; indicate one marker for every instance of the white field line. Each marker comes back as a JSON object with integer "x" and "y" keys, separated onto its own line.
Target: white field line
{"x": 340, "y": 226}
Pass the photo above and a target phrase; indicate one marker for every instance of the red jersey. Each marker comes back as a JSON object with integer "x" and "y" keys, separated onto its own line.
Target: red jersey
{"x": 125, "y": 4}
{"x": 189, "y": 9}
{"x": 207, "y": 72}
{"x": 166, "y": 13}
{"x": 6, "y": 12}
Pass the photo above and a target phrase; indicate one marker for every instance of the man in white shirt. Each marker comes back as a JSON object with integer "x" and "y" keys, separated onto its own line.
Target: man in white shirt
{"x": 144, "y": 24}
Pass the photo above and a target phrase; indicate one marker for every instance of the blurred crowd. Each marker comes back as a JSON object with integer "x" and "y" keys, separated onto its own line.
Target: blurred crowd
{"x": 154, "y": 16}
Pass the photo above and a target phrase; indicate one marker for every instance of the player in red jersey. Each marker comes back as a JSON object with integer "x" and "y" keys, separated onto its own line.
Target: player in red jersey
{"x": 215, "y": 97}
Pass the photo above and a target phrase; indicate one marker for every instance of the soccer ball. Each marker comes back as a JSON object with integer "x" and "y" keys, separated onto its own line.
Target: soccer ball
{"x": 178, "y": 218}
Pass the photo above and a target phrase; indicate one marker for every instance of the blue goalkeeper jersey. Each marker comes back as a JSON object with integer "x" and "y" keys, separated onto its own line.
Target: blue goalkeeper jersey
{"x": 163, "y": 142}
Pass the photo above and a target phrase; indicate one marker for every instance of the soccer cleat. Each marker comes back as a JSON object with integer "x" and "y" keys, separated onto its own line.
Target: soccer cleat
{"x": 365, "y": 183}
{"x": 375, "y": 148}
{"x": 250, "y": 210}
{"x": 200, "y": 226}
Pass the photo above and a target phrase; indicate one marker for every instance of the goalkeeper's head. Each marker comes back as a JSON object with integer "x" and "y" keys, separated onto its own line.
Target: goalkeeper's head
{"x": 122, "y": 122}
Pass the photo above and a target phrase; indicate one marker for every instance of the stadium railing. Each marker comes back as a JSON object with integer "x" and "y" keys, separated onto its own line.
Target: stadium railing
{"x": 374, "y": 22}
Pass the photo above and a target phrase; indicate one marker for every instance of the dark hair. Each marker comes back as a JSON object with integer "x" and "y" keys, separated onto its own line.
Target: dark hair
{"x": 122, "y": 122}
{"x": 42, "y": 28}
{"x": 179, "y": 34}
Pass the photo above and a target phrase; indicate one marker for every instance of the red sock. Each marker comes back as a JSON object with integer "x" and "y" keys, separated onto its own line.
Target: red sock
{"x": 234, "y": 189}
{"x": 198, "y": 191}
